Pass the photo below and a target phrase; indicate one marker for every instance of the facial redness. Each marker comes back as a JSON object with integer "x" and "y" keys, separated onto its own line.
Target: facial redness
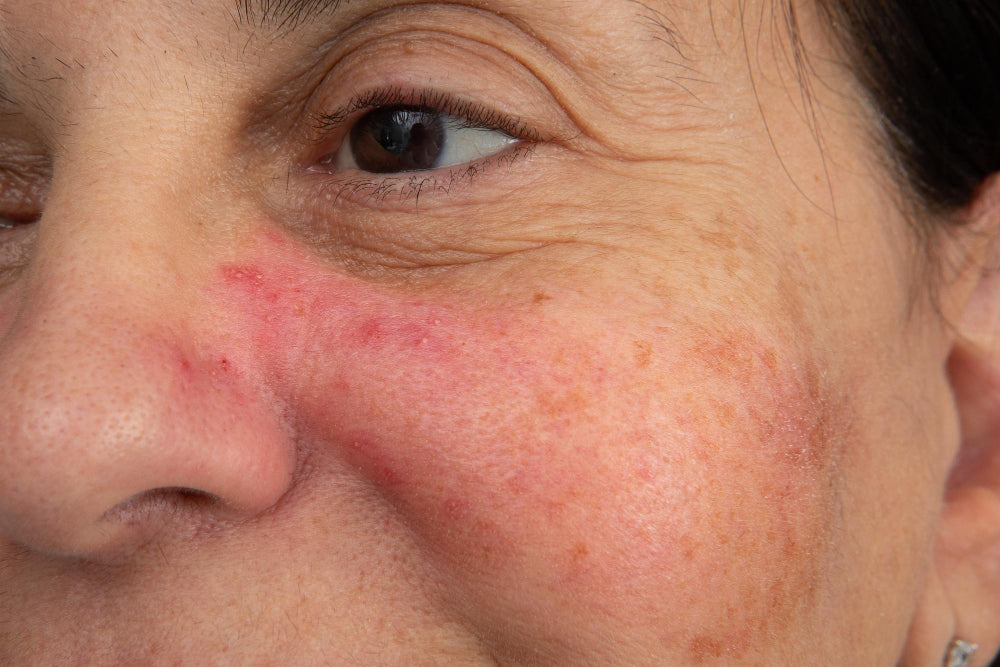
{"x": 548, "y": 453}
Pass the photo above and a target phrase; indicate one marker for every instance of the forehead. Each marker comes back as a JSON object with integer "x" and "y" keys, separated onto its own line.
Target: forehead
{"x": 35, "y": 36}
{"x": 59, "y": 59}
{"x": 659, "y": 54}
{"x": 92, "y": 18}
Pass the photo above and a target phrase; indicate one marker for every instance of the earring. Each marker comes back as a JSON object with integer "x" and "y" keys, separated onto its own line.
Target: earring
{"x": 959, "y": 653}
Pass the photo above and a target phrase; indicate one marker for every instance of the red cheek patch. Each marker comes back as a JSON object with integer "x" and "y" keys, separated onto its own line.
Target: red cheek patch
{"x": 604, "y": 466}
{"x": 285, "y": 304}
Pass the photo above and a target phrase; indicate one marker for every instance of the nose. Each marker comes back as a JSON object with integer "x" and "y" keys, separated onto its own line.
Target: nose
{"x": 124, "y": 410}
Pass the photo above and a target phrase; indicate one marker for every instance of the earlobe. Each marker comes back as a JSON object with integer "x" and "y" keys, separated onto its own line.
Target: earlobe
{"x": 932, "y": 627}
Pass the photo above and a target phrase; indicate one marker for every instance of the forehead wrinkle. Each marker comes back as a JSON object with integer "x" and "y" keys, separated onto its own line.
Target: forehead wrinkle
{"x": 282, "y": 15}
{"x": 5, "y": 62}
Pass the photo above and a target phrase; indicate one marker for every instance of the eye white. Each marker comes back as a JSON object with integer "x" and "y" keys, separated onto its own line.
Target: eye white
{"x": 464, "y": 144}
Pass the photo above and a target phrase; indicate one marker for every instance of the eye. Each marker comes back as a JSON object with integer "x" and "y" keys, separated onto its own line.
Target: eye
{"x": 24, "y": 181}
{"x": 19, "y": 203}
{"x": 403, "y": 138}
{"x": 17, "y": 219}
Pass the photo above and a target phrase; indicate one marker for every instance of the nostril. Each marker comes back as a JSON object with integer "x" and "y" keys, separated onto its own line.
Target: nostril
{"x": 164, "y": 504}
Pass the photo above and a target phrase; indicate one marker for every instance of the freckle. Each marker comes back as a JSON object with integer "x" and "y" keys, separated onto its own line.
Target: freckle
{"x": 541, "y": 297}
{"x": 560, "y": 404}
{"x": 771, "y": 360}
{"x": 726, "y": 412}
{"x": 579, "y": 552}
{"x": 705, "y": 646}
{"x": 643, "y": 353}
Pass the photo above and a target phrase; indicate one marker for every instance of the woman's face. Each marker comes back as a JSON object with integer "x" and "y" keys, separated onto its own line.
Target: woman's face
{"x": 640, "y": 369}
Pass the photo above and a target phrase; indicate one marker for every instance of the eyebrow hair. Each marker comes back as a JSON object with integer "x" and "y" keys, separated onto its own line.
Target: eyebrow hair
{"x": 284, "y": 15}
{"x": 5, "y": 96}
{"x": 287, "y": 15}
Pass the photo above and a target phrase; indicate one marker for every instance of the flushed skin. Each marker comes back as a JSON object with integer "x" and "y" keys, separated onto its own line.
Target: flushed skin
{"x": 666, "y": 384}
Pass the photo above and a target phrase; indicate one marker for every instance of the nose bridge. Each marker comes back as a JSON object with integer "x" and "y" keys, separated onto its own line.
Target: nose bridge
{"x": 103, "y": 281}
{"x": 117, "y": 253}
{"x": 107, "y": 389}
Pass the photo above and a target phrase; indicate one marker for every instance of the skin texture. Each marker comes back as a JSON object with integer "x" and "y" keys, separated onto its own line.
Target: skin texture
{"x": 665, "y": 384}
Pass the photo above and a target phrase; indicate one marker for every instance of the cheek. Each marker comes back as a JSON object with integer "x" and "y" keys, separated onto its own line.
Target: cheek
{"x": 10, "y": 300}
{"x": 577, "y": 466}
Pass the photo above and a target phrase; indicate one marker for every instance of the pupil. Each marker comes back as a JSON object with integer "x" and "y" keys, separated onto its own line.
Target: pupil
{"x": 393, "y": 138}
{"x": 400, "y": 138}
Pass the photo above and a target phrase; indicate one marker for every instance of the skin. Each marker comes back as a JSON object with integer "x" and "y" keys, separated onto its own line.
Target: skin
{"x": 664, "y": 385}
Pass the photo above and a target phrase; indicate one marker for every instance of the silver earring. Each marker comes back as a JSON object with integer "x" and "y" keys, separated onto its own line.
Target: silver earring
{"x": 959, "y": 653}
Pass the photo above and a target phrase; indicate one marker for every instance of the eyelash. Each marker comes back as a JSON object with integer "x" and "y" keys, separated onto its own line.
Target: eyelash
{"x": 410, "y": 186}
{"x": 471, "y": 114}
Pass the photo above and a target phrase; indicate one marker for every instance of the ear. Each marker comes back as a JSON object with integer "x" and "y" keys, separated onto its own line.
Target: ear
{"x": 962, "y": 598}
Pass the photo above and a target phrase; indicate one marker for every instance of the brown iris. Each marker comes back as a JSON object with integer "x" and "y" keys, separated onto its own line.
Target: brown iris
{"x": 400, "y": 138}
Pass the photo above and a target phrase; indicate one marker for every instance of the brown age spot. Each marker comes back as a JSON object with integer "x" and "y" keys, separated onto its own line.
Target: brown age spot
{"x": 577, "y": 562}
{"x": 541, "y": 297}
{"x": 704, "y": 647}
{"x": 720, "y": 238}
{"x": 770, "y": 360}
{"x": 772, "y": 427}
{"x": 571, "y": 401}
{"x": 725, "y": 411}
{"x": 643, "y": 353}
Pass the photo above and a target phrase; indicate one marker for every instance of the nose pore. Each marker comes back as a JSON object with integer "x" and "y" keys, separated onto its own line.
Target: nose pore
{"x": 116, "y": 411}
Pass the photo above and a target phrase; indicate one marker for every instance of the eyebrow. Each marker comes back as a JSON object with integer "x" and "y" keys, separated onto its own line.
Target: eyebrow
{"x": 287, "y": 15}
{"x": 284, "y": 14}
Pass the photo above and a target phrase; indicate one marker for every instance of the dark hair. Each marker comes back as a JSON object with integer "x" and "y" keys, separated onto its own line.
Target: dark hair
{"x": 931, "y": 69}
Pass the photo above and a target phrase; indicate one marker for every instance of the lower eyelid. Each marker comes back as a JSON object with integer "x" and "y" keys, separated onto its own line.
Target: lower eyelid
{"x": 408, "y": 190}
{"x": 15, "y": 249}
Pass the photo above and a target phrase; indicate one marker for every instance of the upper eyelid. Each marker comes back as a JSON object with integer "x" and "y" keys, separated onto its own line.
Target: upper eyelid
{"x": 533, "y": 109}
{"x": 474, "y": 113}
